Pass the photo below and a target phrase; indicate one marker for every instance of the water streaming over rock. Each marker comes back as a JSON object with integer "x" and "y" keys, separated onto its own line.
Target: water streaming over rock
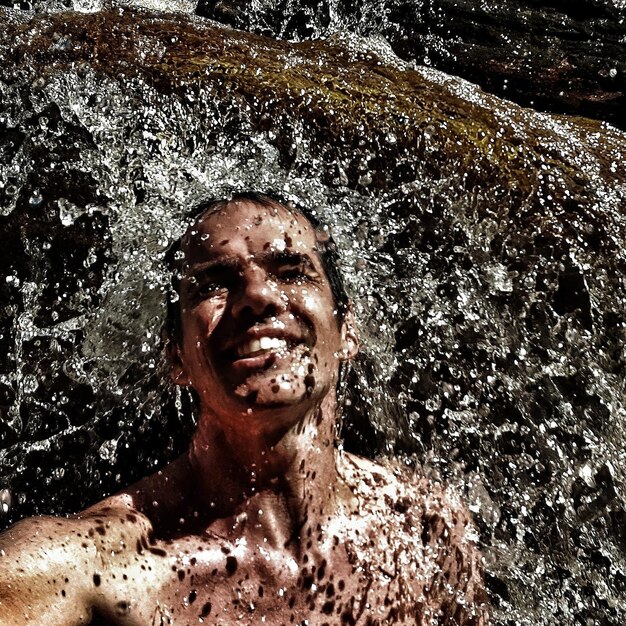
{"x": 483, "y": 246}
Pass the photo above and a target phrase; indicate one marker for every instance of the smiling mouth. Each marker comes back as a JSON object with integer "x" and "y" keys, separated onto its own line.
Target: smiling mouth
{"x": 260, "y": 346}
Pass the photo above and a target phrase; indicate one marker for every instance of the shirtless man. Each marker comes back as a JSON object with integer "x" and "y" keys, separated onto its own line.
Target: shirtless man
{"x": 264, "y": 520}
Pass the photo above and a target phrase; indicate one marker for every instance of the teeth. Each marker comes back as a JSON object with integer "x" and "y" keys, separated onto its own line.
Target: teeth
{"x": 260, "y": 345}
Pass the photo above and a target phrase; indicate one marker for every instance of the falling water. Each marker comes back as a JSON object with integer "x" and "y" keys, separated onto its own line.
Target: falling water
{"x": 483, "y": 247}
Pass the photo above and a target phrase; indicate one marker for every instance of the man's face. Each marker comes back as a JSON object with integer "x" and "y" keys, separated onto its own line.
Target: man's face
{"x": 260, "y": 329}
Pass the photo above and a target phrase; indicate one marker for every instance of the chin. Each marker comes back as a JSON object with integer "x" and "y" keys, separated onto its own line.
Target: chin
{"x": 273, "y": 395}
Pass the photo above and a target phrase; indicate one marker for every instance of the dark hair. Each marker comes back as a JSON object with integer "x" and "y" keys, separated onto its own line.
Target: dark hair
{"x": 326, "y": 247}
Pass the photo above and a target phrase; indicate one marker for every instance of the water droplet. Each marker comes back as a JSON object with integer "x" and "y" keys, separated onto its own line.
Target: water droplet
{"x": 36, "y": 198}
{"x": 30, "y": 384}
{"x": 6, "y": 501}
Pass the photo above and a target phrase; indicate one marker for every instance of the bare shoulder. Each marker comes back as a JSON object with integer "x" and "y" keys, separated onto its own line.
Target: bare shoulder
{"x": 41, "y": 545}
{"x": 44, "y": 541}
{"x": 393, "y": 486}
{"x": 42, "y": 565}
{"x": 419, "y": 531}
{"x": 409, "y": 502}
{"x": 62, "y": 571}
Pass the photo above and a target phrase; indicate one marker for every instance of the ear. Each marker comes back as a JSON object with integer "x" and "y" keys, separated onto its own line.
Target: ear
{"x": 178, "y": 372}
{"x": 349, "y": 336}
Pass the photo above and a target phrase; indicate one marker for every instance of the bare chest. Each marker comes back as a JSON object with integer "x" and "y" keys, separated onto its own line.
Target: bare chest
{"x": 256, "y": 586}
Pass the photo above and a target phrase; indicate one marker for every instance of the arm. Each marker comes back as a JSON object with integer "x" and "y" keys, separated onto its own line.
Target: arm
{"x": 43, "y": 565}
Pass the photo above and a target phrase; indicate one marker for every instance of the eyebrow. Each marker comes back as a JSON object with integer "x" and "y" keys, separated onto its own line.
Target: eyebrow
{"x": 286, "y": 257}
{"x": 214, "y": 264}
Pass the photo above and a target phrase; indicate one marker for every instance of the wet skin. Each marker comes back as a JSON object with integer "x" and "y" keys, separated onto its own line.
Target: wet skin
{"x": 263, "y": 520}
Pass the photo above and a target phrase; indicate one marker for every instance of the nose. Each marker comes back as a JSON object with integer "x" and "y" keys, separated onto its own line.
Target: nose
{"x": 258, "y": 295}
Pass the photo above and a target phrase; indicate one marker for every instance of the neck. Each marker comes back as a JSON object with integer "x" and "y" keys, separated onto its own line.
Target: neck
{"x": 276, "y": 484}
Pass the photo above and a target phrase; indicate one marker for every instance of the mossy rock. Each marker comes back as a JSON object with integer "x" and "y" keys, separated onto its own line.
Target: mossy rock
{"x": 344, "y": 95}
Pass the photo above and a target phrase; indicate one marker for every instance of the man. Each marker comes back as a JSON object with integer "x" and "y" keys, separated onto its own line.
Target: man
{"x": 263, "y": 521}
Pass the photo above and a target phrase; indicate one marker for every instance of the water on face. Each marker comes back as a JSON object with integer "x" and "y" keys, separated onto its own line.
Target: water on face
{"x": 487, "y": 282}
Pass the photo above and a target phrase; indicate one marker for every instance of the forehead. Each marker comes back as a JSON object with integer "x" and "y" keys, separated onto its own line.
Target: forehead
{"x": 245, "y": 226}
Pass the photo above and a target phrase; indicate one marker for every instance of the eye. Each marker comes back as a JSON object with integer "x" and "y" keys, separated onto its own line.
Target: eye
{"x": 206, "y": 290}
{"x": 203, "y": 289}
{"x": 292, "y": 273}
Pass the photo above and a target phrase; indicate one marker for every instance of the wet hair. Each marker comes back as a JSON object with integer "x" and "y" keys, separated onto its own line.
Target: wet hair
{"x": 326, "y": 248}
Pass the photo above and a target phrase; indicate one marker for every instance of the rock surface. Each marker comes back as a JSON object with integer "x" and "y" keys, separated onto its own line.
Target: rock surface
{"x": 559, "y": 56}
{"x": 563, "y": 57}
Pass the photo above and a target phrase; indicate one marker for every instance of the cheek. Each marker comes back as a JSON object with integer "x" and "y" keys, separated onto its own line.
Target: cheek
{"x": 204, "y": 318}
{"x": 315, "y": 300}
{"x": 311, "y": 302}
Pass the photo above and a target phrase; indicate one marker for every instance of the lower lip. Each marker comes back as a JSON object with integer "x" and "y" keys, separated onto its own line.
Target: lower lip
{"x": 263, "y": 361}
{"x": 254, "y": 362}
